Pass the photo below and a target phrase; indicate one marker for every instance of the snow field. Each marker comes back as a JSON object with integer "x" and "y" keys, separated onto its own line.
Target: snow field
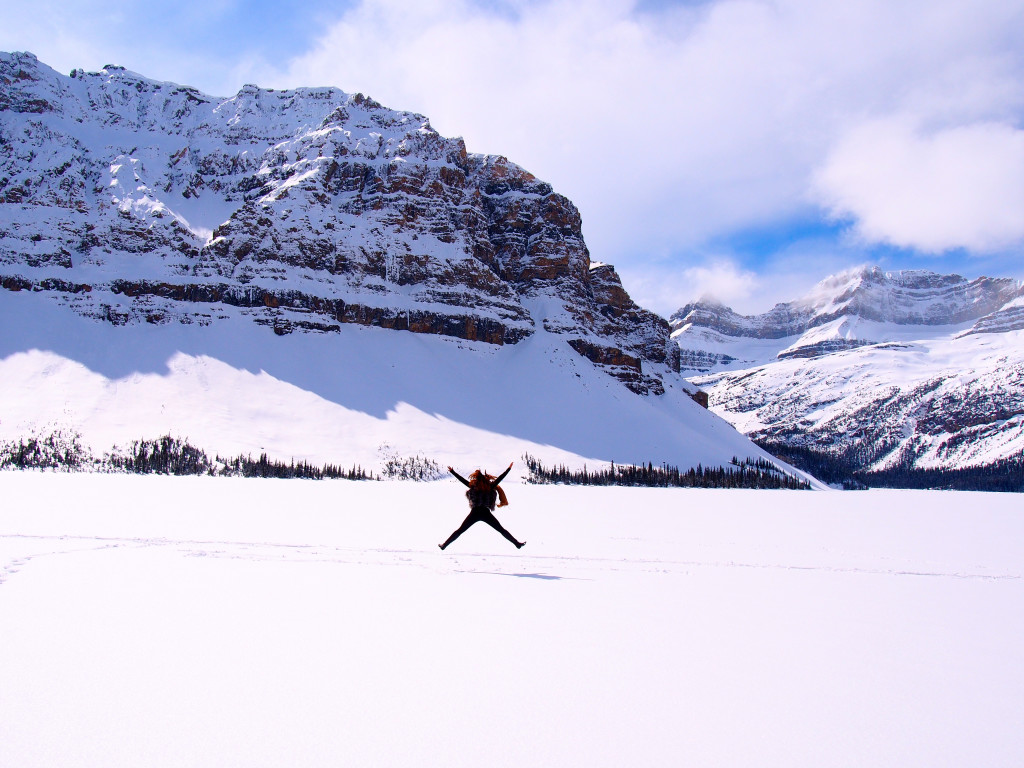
{"x": 199, "y": 621}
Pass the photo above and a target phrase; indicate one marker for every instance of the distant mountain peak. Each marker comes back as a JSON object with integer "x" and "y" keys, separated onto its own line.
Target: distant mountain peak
{"x": 903, "y": 297}
{"x": 871, "y": 370}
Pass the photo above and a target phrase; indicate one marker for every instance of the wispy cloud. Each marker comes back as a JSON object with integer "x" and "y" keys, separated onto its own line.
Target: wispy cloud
{"x": 665, "y": 288}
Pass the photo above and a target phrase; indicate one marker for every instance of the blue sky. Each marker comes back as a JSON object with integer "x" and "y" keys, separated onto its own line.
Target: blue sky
{"x": 742, "y": 148}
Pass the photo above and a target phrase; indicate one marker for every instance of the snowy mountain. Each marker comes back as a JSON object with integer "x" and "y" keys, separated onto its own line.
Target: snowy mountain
{"x": 877, "y": 370}
{"x": 311, "y": 274}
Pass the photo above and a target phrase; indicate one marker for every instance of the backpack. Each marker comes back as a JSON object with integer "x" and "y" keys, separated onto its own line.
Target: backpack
{"x": 478, "y": 498}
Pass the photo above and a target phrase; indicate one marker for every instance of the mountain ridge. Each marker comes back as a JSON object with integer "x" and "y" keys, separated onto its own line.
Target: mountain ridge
{"x": 880, "y": 372}
{"x": 333, "y": 209}
{"x": 311, "y": 274}
{"x": 902, "y": 297}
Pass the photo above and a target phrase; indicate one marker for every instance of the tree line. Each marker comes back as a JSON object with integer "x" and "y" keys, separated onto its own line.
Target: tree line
{"x": 844, "y": 469}
{"x": 749, "y": 473}
{"x": 163, "y": 456}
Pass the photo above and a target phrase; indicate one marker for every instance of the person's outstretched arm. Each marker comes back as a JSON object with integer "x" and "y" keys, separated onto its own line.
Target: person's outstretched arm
{"x": 461, "y": 479}
{"x": 502, "y": 475}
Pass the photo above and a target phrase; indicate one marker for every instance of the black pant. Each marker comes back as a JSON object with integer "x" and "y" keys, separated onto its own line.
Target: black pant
{"x": 481, "y": 515}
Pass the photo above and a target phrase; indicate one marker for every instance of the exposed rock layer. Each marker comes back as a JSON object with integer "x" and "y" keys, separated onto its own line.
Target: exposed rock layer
{"x": 132, "y": 200}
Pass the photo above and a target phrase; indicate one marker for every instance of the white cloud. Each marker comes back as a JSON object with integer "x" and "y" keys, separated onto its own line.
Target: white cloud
{"x": 959, "y": 187}
{"x": 749, "y": 289}
{"x": 658, "y": 134}
{"x": 665, "y": 288}
{"x": 671, "y": 127}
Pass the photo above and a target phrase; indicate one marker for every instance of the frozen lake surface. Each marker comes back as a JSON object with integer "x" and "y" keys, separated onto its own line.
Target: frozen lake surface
{"x": 153, "y": 621}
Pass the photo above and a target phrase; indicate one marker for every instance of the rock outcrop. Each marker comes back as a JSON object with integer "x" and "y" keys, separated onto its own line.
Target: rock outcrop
{"x": 131, "y": 200}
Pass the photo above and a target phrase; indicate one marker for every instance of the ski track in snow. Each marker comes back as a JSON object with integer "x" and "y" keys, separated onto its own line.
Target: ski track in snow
{"x": 542, "y": 567}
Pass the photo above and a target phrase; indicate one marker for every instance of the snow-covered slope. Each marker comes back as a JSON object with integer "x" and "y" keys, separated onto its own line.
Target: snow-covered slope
{"x": 358, "y": 395}
{"x": 310, "y": 274}
{"x": 907, "y": 369}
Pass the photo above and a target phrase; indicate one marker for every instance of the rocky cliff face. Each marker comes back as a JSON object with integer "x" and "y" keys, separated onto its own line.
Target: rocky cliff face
{"x": 131, "y": 201}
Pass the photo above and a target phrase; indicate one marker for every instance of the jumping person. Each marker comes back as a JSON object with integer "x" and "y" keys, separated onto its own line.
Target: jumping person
{"x": 483, "y": 492}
